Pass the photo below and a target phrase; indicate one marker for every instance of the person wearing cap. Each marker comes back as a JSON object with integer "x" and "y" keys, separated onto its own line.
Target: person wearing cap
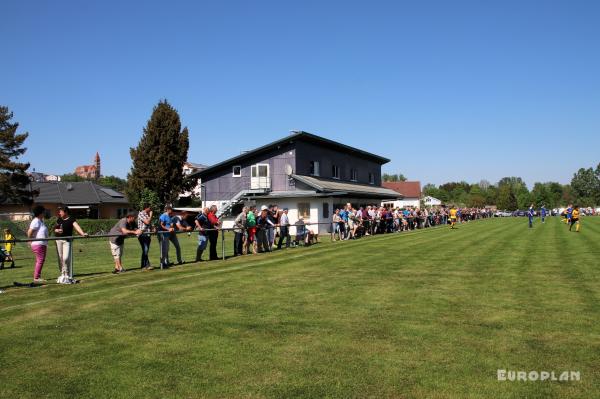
{"x": 263, "y": 223}
{"x": 284, "y": 229}
{"x": 65, "y": 224}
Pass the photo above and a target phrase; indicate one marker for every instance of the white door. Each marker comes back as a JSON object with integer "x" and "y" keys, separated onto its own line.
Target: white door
{"x": 260, "y": 176}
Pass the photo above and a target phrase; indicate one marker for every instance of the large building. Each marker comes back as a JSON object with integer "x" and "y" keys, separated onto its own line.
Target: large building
{"x": 308, "y": 174}
{"x": 91, "y": 172}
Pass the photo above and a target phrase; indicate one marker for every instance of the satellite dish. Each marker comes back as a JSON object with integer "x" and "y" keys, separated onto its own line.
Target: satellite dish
{"x": 69, "y": 187}
{"x": 288, "y": 169}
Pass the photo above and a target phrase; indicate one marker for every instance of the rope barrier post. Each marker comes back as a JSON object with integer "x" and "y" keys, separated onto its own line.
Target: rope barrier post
{"x": 223, "y": 244}
{"x": 70, "y": 271}
{"x": 160, "y": 248}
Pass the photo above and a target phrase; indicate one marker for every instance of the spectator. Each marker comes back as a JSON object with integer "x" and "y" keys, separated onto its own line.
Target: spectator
{"x": 262, "y": 225}
{"x": 213, "y": 233}
{"x": 284, "y": 229}
{"x": 178, "y": 222}
{"x": 337, "y": 225}
{"x": 65, "y": 224}
{"x": 239, "y": 229}
{"x": 202, "y": 225}
{"x": 144, "y": 224}
{"x": 164, "y": 231}
{"x": 123, "y": 227}
{"x": 7, "y": 254}
{"x": 251, "y": 225}
{"x": 38, "y": 229}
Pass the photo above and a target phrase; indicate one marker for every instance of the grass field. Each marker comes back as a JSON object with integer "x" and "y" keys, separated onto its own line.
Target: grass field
{"x": 429, "y": 314}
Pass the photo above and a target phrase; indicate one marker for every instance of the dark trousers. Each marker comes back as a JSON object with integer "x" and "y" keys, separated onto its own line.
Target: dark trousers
{"x": 213, "y": 237}
{"x": 238, "y": 244}
{"x": 284, "y": 232}
{"x": 145, "y": 244}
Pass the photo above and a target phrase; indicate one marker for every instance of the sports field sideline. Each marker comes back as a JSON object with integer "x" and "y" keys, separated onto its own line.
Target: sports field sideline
{"x": 432, "y": 313}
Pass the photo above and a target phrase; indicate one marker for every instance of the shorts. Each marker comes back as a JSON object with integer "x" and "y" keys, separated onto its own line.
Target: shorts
{"x": 116, "y": 250}
{"x": 202, "y": 241}
{"x": 251, "y": 234}
{"x": 574, "y": 220}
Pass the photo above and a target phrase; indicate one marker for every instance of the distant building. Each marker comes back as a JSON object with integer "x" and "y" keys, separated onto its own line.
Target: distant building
{"x": 188, "y": 169}
{"x": 410, "y": 190}
{"x": 90, "y": 172}
{"x": 429, "y": 201}
{"x": 86, "y": 200}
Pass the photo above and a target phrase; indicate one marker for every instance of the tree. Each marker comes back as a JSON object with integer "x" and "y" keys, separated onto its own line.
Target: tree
{"x": 159, "y": 157}
{"x": 586, "y": 187}
{"x": 14, "y": 181}
{"x": 114, "y": 182}
{"x": 506, "y": 198}
{"x": 393, "y": 178}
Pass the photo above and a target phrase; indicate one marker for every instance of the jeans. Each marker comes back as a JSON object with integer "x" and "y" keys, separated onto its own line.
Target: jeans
{"x": 145, "y": 244}
{"x": 271, "y": 236}
{"x": 63, "y": 254}
{"x": 262, "y": 240}
{"x": 284, "y": 232}
{"x": 238, "y": 243}
{"x": 163, "y": 239}
{"x": 173, "y": 238}
{"x": 40, "y": 256}
{"x": 202, "y": 241}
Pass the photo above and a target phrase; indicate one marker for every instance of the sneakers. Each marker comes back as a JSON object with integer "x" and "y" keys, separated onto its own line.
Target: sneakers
{"x": 39, "y": 280}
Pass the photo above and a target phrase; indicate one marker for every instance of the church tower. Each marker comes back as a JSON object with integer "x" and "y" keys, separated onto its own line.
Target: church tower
{"x": 97, "y": 165}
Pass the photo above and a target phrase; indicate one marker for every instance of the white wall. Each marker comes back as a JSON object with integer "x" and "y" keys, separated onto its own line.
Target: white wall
{"x": 403, "y": 203}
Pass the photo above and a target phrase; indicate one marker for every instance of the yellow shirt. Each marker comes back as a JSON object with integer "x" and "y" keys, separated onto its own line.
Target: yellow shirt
{"x": 453, "y": 213}
{"x": 8, "y": 246}
{"x": 575, "y": 214}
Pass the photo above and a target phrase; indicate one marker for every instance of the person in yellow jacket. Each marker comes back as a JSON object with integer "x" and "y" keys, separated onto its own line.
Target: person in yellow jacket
{"x": 575, "y": 219}
{"x": 453, "y": 216}
{"x": 7, "y": 251}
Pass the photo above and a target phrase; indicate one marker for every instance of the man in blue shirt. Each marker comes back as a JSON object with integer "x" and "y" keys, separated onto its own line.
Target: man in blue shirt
{"x": 530, "y": 214}
{"x": 543, "y": 213}
{"x": 164, "y": 231}
{"x": 344, "y": 216}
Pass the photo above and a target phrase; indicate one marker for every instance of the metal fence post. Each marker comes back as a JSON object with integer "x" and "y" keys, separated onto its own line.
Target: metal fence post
{"x": 71, "y": 259}
{"x": 223, "y": 244}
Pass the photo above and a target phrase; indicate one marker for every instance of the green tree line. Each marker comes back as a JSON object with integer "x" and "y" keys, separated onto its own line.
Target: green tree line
{"x": 512, "y": 193}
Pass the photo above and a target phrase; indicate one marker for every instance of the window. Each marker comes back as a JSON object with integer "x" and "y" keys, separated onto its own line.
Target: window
{"x": 325, "y": 210}
{"x": 304, "y": 210}
{"x": 335, "y": 172}
{"x": 314, "y": 168}
{"x": 237, "y": 171}
{"x": 354, "y": 174}
{"x": 371, "y": 178}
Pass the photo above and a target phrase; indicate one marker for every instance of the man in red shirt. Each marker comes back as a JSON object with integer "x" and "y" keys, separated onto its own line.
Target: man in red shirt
{"x": 213, "y": 234}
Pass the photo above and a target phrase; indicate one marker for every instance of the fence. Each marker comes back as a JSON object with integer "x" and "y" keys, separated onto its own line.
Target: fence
{"x": 85, "y": 241}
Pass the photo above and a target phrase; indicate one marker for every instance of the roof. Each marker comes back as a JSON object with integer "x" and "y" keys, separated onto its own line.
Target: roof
{"x": 77, "y": 193}
{"x": 336, "y": 187}
{"x": 296, "y": 136}
{"x": 197, "y": 166}
{"x": 410, "y": 189}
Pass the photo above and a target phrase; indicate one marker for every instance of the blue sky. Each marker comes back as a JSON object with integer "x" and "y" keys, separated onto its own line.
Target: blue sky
{"x": 460, "y": 90}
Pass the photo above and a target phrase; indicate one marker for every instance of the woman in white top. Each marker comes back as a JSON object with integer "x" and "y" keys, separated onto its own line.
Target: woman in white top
{"x": 38, "y": 229}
